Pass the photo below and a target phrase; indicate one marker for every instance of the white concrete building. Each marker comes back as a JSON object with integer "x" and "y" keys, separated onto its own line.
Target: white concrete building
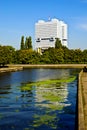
{"x": 47, "y": 32}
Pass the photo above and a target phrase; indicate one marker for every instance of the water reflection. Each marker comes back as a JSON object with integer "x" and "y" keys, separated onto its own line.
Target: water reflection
{"x": 49, "y": 99}
{"x": 53, "y": 94}
{"x": 46, "y": 106}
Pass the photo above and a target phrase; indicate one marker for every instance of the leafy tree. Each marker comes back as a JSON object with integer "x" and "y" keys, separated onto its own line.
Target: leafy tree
{"x": 58, "y": 43}
{"x": 59, "y": 54}
{"x": 68, "y": 55}
{"x": 56, "y": 55}
{"x": 84, "y": 56}
{"x": 77, "y": 56}
{"x": 22, "y": 43}
{"x": 45, "y": 58}
{"x": 26, "y": 43}
{"x": 16, "y": 57}
{"x": 11, "y": 53}
{"x": 53, "y": 56}
{"x": 28, "y": 57}
{"x": 6, "y": 55}
{"x": 29, "y": 44}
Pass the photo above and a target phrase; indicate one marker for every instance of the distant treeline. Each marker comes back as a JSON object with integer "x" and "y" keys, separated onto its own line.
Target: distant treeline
{"x": 26, "y": 55}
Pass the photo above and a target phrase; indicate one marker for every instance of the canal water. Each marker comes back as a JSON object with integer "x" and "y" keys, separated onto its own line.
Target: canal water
{"x": 32, "y": 99}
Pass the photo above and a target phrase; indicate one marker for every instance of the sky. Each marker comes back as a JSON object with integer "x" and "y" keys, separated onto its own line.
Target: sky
{"x": 18, "y": 18}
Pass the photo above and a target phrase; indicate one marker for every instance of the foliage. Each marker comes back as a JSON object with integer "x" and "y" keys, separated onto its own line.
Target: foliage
{"x": 58, "y": 43}
{"x": 27, "y": 44}
{"x": 26, "y": 55}
{"x": 22, "y": 43}
{"x": 84, "y": 56}
{"x": 52, "y": 56}
{"x": 6, "y": 55}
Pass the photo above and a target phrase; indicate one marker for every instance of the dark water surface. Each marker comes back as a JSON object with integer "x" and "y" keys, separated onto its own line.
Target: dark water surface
{"x": 37, "y": 107}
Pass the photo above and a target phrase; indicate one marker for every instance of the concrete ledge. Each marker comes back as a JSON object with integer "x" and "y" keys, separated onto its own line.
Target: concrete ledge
{"x": 81, "y": 121}
{"x": 10, "y": 69}
{"x": 16, "y": 67}
{"x": 81, "y": 66}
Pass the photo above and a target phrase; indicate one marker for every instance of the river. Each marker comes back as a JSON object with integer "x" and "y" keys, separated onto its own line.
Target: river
{"x": 28, "y": 101}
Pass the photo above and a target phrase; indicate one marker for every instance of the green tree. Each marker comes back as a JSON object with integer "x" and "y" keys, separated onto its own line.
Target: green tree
{"x": 6, "y": 55}
{"x": 16, "y": 57}
{"x": 28, "y": 57}
{"x": 22, "y": 43}
{"x": 56, "y": 55}
{"x": 29, "y": 44}
{"x": 58, "y": 43}
{"x": 45, "y": 58}
{"x": 84, "y": 56}
{"x": 68, "y": 55}
{"x": 53, "y": 56}
{"x": 77, "y": 56}
{"x": 26, "y": 43}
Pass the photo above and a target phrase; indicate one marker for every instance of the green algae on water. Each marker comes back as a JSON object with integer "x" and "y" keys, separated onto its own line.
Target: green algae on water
{"x": 28, "y": 86}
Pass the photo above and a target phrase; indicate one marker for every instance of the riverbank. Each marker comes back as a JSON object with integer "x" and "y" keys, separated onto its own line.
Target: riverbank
{"x": 82, "y": 101}
{"x": 10, "y": 69}
{"x": 17, "y": 67}
{"x": 81, "y": 121}
{"x": 64, "y": 66}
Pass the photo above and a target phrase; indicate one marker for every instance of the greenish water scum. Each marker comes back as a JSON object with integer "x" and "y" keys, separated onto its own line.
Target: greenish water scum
{"x": 47, "y": 82}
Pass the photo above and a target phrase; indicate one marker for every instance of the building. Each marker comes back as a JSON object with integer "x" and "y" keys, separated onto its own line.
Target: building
{"x": 47, "y": 32}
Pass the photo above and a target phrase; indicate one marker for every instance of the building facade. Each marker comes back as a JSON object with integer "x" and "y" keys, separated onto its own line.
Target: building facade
{"x": 47, "y": 32}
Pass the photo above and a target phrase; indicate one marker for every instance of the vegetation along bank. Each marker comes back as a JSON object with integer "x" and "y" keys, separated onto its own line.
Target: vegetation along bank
{"x": 26, "y": 55}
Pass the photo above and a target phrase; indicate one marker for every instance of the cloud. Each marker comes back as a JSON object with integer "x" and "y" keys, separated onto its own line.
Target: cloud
{"x": 83, "y": 26}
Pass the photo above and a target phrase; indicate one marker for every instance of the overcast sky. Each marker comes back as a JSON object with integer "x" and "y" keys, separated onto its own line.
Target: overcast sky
{"x": 18, "y": 17}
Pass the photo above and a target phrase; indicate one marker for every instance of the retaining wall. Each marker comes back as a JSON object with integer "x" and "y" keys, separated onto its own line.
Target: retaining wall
{"x": 81, "y": 121}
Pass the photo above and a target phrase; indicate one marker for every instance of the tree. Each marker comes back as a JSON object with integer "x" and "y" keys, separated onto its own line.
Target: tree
{"x": 56, "y": 55}
{"x": 28, "y": 56}
{"x": 6, "y": 55}
{"x": 45, "y": 57}
{"x": 22, "y": 43}
{"x": 77, "y": 56}
{"x": 84, "y": 56}
{"x": 68, "y": 55}
{"x": 28, "y": 43}
{"x": 53, "y": 56}
{"x": 58, "y": 43}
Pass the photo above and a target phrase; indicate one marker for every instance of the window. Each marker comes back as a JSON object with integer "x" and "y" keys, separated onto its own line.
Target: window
{"x": 51, "y": 39}
{"x": 64, "y": 39}
{"x": 38, "y": 40}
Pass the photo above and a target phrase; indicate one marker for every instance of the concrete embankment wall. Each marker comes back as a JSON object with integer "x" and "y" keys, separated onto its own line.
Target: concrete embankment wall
{"x": 16, "y": 67}
{"x": 81, "y": 122}
{"x": 10, "y": 69}
{"x": 49, "y": 65}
